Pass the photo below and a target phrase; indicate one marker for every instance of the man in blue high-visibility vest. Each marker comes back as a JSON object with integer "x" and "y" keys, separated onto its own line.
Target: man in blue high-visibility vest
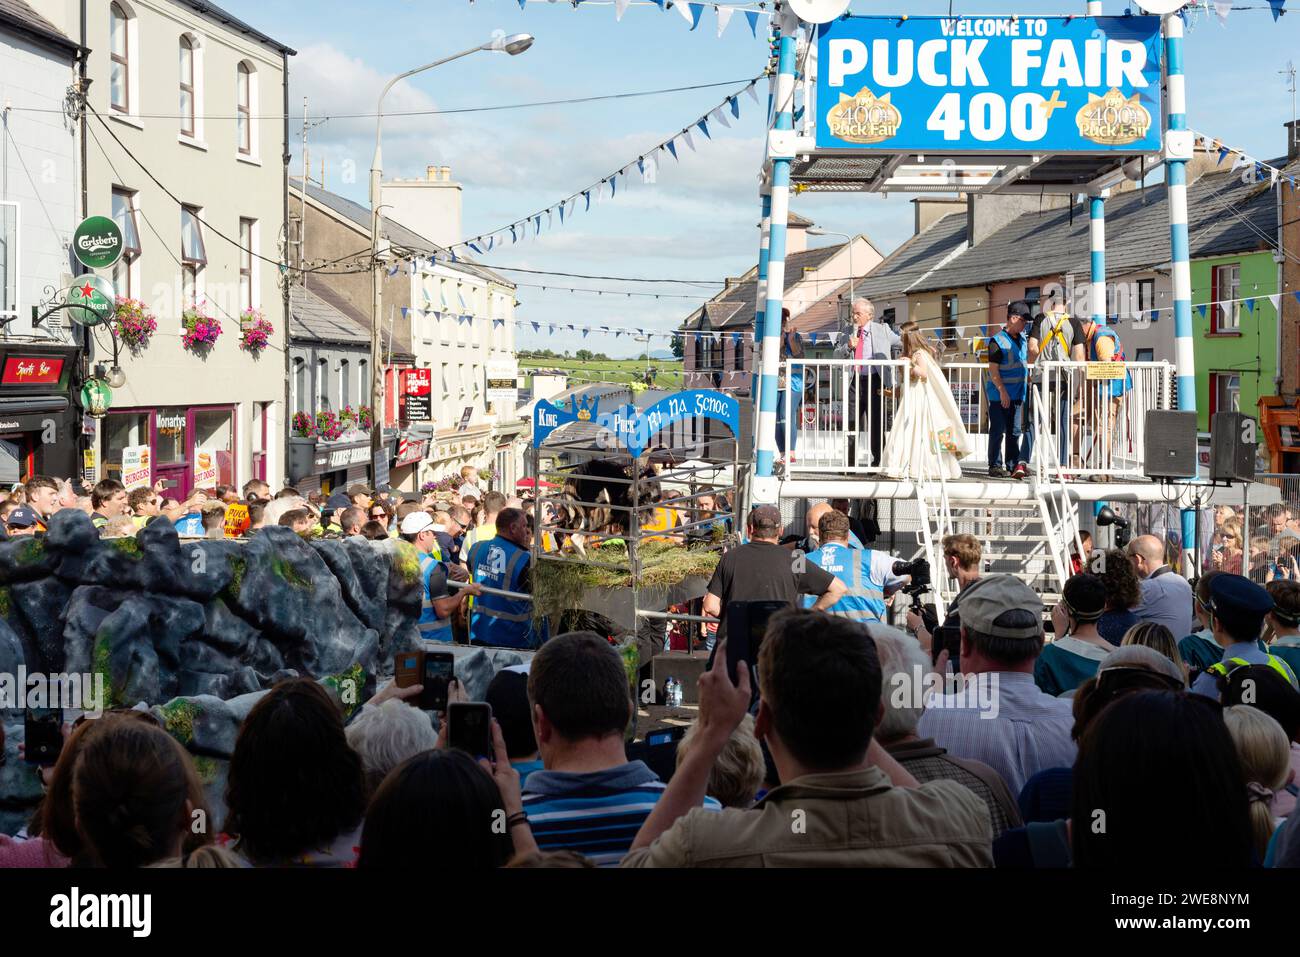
{"x": 868, "y": 576}
{"x": 503, "y": 563}
{"x": 440, "y": 603}
{"x": 1006, "y": 388}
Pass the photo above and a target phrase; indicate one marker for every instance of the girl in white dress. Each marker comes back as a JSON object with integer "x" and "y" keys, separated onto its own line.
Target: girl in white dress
{"x": 927, "y": 439}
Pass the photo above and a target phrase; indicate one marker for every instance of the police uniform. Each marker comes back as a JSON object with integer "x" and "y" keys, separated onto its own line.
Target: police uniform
{"x": 866, "y": 574}
{"x": 497, "y": 620}
{"x": 1241, "y": 601}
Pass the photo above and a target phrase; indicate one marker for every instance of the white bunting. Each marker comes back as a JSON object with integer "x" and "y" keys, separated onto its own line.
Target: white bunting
{"x": 1276, "y": 300}
{"x": 684, "y": 8}
{"x": 752, "y": 90}
{"x": 651, "y": 173}
{"x": 620, "y": 7}
{"x": 686, "y": 135}
{"x": 724, "y": 17}
{"x": 1223, "y": 8}
{"x": 1239, "y": 161}
{"x": 720, "y": 115}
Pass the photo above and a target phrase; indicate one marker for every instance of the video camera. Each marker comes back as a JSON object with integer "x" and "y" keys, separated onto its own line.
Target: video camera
{"x": 919, "y": 570}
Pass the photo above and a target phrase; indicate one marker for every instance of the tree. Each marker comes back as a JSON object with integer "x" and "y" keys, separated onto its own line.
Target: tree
{"x": 678, "y": 346}
{"x": 583, "y": 355}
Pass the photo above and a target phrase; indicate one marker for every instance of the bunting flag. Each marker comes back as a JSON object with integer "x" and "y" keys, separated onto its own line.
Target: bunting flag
{"x": 672, "y": 149}
{"x": 735, "y": 107}
{"x": 1276, "y": 300}
{"x": 703, "y": 124}
{"x": 393, "y": 271}
{"x": 476, "y": 249}
{"x": 752, "y": 17}
{"x": 1297, "y": 295}
{"x": 404, "y": 312}
{"x": 1223, "y": 8}
{"x": 721, "y": 118}
{"x": 725, "y": 14}
{"x": 620, "y": 8}
{"x": 753, "y": 93}
{"x": 586, "y": 194}
{"x": 1250, "y": 306}
{"x": 562, "y": 205}
{"x": 537, "y": 327}
{"x": 690, "y": 141}
{"x": 613, "y": 186}
{"x": 1275, "y": 5}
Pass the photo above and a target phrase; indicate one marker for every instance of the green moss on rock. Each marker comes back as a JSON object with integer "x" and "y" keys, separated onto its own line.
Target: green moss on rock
{"x": 284, "y": 569}
{"x": 178, "y": 719}
{"x": 127, "y": 546}
{"x": 31, "y": 551}
{"x": 347, "y": 686}
{"x": 238, "y": 565}
{"x": 99, "y": 666}
{"x": 6, "y": 602}
{"x": 206, "y": 768}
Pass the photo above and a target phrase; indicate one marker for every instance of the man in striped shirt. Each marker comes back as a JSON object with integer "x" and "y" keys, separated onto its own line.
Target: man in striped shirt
{"x": 588, "y": 798}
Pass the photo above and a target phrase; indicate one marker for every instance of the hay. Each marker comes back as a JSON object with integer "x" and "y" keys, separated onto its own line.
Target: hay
{"x": 560, "y": 585}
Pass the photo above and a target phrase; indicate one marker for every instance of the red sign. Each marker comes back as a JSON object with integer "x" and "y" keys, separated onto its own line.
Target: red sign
{"x": 417, "y": 386}
{"x": 411, "y": 451}
{"x": 32, "y": 370}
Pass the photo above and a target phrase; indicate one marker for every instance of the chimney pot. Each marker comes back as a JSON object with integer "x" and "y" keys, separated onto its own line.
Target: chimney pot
{"x": 432, "y": 173}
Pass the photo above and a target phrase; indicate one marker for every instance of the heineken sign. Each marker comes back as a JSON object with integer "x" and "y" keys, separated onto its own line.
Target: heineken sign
{"x": 92, "y": 299}
{"x": 97, "y": 243}
{"x": 96, "y": 397}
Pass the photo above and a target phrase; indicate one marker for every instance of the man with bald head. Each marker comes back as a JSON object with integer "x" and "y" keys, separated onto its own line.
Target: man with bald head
{"x": 1166, "y": 595}
{"x": 815, "y": 514}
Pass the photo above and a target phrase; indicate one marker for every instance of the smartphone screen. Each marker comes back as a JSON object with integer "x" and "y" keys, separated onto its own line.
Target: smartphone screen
{"x": 469, "y": 728}
{"x": 439, "y": 669}
{"x": 42, "y": 735}
{"x": 746, "y": 626}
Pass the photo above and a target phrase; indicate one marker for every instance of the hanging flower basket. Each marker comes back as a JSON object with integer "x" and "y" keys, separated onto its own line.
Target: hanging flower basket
{"x": 365, "y": 418}
{"x": 256, "y": 331}
{"x": 328, "y": 426}
{"x": 303, "y": 426}
{"x": 133, "y": 323}
{"x": 201, "y": 330}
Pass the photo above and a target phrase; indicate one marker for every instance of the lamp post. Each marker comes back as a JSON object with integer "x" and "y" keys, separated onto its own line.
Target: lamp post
{"x": 513, "y": 45}
{"x": 848, "y": 241}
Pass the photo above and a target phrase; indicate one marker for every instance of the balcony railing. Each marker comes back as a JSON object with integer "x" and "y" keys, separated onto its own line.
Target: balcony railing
{"x": 1097, "y": 423}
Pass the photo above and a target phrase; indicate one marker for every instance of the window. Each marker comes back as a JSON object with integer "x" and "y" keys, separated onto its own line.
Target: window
{"x": 949, "y": 319}
{"x": 122, "y": 430}
{"x": 1225, "y": 395}
{"x": 214, "y": 432}
{"x": 345, "y": 382}
{"x": 322, "y": 386}
{"x": 298, "y": 387}
{"x": 363, "y": 382}
{"x": 738, "y": 354}
{"x": 244, "y": 108}
{"x": 246, "y": 298}
{"x": 1146, "y": 355}
{"x": 1033, "y": 295}
{"x": 170, "y": 447}
{"x": 9, "y": 243}
{"x": 193, "y": 254}
{"x": 119, "y": 82}
{"x": 1146, "y": 304}
{"x": 187, "y": 86}
{"x": 124, "y": 216}
{"x": 1224, "y": 293}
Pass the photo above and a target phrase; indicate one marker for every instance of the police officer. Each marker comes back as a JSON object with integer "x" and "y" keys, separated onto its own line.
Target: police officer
{"x": 503, "y": 563}
{"x": 868, "y": 576}
{"x": 1236, "y": 609}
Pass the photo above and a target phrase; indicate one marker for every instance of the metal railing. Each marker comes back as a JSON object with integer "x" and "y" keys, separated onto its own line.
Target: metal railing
{"x": 1090, "y": 425}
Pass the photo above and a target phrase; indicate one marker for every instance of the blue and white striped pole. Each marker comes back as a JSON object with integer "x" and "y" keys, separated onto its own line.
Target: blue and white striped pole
{"x": 1097, "y": 237}
{"x": 765, "y": 486}
{"x": 760, "y": 293}
{"x": 1176, "y": 178}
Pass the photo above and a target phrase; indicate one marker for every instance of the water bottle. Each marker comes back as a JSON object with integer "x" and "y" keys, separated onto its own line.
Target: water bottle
{"x": 670, "y": 692}
{"x": 677, "y": 694}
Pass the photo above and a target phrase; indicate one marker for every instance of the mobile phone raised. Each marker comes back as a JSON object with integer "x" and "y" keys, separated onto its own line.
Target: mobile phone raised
{"x": 42, "y": 735}
{"x": 746, "y": 625}
{"x": 469, "y": 727}
{"x": 439, "y": 668}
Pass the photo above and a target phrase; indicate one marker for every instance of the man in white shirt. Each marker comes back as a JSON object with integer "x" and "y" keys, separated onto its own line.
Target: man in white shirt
{"x": 868, "y": 339}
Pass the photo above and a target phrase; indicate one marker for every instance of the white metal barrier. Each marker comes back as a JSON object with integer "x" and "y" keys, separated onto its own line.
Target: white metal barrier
{"x": 1093, "y": 425}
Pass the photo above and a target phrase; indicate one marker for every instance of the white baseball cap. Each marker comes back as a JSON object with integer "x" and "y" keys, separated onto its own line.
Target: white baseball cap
{"x": 417, "y": 522}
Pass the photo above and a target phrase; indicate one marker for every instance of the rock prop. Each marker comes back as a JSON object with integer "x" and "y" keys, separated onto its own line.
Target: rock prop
{"x": 199, "y": 631}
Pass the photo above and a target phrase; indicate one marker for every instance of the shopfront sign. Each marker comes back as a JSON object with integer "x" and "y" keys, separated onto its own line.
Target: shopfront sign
{"x": 410, "y": 451}
{"x": 996, "y": 84}
{"x": 97, "y": 243}
{"x": 417, "y": 386}
{"x": 31, "y": 370}
{"x": 342, "y": 458}
{"x": 137, "y": 470}
{"x": 464, "y": 418}
{"x": 206, "y": 470}
{"x": 503, "y": 383}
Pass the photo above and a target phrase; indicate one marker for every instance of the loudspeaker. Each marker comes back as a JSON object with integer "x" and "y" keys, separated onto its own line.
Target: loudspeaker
{"x": 1170, "y": 444}
{"x": 1232, "y": 458}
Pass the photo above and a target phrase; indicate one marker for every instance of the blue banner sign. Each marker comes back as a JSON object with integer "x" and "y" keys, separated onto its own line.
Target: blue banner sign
{"x": 631, "y": 428}
{"x": 989, "y": 84}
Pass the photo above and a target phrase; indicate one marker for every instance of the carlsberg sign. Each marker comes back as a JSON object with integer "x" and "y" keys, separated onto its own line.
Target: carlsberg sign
{"x": 97, "y": 243}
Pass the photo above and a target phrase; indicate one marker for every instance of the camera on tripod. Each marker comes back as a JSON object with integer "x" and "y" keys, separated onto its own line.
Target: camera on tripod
{"x": 919, "y": 570}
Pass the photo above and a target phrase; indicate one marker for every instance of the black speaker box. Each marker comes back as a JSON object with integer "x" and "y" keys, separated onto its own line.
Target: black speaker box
{"x": 1170, "y": 444}
{"x": 1232, "y": 458}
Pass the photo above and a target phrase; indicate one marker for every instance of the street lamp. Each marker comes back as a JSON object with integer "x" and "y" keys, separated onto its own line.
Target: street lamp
{"x": 514, "y": 45}
{"x": 818, "y": 231}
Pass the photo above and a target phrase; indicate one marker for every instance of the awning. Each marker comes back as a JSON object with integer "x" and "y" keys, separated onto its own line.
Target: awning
{"x": 29, "y": 413}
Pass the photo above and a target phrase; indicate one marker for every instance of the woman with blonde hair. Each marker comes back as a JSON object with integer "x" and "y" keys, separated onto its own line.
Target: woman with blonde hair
{"x": 1156, "y": 636}
{"x": 928, "y": 438}
{"x": 1265, "y": 756}
{"x": 1226, "y": 554}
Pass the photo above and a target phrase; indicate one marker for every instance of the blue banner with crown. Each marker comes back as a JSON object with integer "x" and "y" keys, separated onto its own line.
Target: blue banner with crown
{"x": 632, "y": 428}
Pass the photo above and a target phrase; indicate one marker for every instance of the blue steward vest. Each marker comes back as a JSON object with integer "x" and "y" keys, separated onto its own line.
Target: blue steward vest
{"x": 433, "y": 577}
{"x": 1014, "y": 356}
{"x": 865, "y": 600}
{"x": 497, "y": 620}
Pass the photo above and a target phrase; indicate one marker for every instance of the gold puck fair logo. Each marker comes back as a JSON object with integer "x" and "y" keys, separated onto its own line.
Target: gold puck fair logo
{"x": 864, "y": 118}
{"x": 1113, "y": 120}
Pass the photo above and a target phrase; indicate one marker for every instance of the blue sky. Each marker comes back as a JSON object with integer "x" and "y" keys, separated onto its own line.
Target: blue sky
{"x": 698, "y": 220}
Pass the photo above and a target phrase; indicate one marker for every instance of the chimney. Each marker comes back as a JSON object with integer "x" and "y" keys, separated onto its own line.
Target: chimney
{"x": 1292, "y": 141}
{"x": 429, "y": 206}
{"x": 987, "y": 213}
{"x": 928, "y": 210}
